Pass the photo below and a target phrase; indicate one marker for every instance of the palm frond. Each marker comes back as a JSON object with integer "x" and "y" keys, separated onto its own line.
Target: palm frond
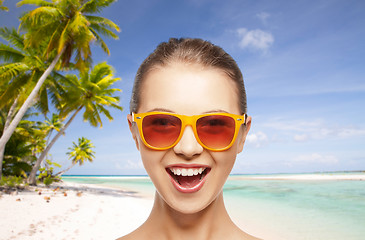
{"x": 105, "y": 112}
{"x": 91, "y": 115}
{"x": 41, "y": 3}
{"x": 63, "y": 38}
{"x": 100, "y": 71}
{"x": 40, "y": 35}
{"x": 13, "y": 90}
{"x": 9, "y": 54}
{"x": 12, "y": 70}
{"x": 100, "y": 41}
{"x": 42, "y": 103}
{"x": 81, "y": 62}
{"x": 116, "y": 107}
{"x": 13, "y": 37}
{"x": 95, "y": 6}
{"x": 40, "y": 16}
{"x": 103, "y": 31}
{"x": 107, "y": 81}
{"x": 53, "y": 41}
{"x": 97, "y": 20}
{"x": 99, "y": 100}
{"x": 107, "y": 100}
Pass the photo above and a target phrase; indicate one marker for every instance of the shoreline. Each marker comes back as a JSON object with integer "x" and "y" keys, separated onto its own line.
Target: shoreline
{"x": 356, "y": 176}
{"x": 305, "y": 177}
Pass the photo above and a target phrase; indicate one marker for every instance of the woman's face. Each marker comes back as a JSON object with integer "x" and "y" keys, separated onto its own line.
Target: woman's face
{"x": 189, "y": 90}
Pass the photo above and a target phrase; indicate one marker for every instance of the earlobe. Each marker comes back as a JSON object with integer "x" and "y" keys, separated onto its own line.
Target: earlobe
{"x": 133, "y": 130}
{"x": 244, "y": 135}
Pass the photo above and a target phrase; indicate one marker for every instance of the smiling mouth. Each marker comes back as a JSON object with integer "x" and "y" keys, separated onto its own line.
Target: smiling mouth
{"x": 188, "y": 178}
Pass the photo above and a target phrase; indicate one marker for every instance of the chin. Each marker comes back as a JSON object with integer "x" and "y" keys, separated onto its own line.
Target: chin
{"x": 189, "y": 203}
{"x": 192, "y": 206}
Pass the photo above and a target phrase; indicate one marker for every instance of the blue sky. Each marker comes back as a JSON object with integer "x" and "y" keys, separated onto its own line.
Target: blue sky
{"x": 303, "y": 65}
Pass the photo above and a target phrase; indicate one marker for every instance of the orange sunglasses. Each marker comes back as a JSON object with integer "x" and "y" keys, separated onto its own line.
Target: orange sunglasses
{"x": 214, "y": 131}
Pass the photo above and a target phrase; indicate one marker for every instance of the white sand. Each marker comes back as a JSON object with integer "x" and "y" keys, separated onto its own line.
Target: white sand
{"x": 98, "y": 213}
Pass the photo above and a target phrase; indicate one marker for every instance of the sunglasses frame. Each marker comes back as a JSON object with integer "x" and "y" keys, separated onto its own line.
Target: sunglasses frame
{"x": 191, "y": 121}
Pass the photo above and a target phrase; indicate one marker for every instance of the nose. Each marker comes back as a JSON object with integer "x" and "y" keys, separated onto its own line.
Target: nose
{"x": 188, "y": 146}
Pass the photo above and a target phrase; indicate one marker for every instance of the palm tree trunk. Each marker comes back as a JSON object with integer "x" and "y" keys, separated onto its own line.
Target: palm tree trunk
{"x": 26, "y": 105}
{"x": 6, "y": 125}
{"x": 10, "y": 114}
{"x": 63, "y": 171}
{"x": 33, "y": 173}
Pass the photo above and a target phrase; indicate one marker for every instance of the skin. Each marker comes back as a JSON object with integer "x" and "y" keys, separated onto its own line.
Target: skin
{"x": 189, "y": 90}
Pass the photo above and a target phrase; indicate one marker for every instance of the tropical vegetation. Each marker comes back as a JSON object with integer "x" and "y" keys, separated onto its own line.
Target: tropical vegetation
{"x": 47, "y": 77}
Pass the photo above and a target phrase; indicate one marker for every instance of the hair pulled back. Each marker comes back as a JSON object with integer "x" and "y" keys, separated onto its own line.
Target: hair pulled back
{"x": 189, "y": 51}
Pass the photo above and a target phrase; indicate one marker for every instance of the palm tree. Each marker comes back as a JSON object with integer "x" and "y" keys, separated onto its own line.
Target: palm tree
{"x": 20, "y": 151}
{"x": 80, "y": 153}
{"x": 52, "y": 124}
{"x": 66, "y": 28}
{"x": 49, "y": 126}
{"x": 18, "y": 75}
{"x": 93, "y": 93}
{"x": 20, "y": 71}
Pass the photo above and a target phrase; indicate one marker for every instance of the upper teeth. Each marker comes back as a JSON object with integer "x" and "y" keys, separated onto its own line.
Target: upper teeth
{"x": 187, "y": 171}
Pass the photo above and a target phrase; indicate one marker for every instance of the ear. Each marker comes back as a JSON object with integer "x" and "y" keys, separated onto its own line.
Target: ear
{"x": 134, "y": 130}
{"x": 243, "y": 136}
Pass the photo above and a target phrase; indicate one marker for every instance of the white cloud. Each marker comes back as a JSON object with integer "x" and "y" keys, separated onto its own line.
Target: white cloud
{"x": 257, "y": 139}
{"x": 301, "y": 137}
{"x": 316, "y": 129}
{"x": 263, "y": 16}
{"x": 129, "y": 165}
{"x": 255, "y": 39}
{"x": 316, "y": 158}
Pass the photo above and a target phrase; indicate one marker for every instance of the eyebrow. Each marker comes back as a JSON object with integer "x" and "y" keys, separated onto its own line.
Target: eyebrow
{"x": 216, "y": 111}
{"x": 161, "y": 110}
{"x": 170, "y": 111}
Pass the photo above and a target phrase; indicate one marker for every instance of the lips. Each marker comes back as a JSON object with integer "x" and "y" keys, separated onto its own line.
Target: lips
{"x": 188, "y": 179}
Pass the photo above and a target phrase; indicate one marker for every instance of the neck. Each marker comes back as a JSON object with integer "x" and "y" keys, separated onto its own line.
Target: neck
{"x": 205, "y": 224}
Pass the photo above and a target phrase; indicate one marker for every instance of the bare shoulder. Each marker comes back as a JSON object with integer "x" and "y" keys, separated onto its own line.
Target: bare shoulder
{"x": 128, "y": 237}
{"x": 137, "y": 234}
{"x": 247, "y": 236}
{"x": 239, "y": 234}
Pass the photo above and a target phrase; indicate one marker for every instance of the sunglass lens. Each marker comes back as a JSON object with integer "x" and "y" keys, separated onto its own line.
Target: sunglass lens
{"x": 216, "y": 131}
{"x": 161, "y": 130}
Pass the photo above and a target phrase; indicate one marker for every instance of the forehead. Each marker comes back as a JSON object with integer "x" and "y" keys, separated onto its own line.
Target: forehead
{"x": 188, "y": 89}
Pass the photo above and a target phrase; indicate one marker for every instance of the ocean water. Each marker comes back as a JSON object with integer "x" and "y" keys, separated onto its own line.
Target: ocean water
{"x": 283, "y": 209}
{"x": 292, "y": 209}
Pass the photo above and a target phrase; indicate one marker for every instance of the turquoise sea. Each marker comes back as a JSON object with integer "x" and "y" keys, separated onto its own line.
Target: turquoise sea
{"x": 285, "y": 209}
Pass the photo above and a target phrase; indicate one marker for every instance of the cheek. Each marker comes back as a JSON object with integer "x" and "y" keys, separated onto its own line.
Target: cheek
{"x": 152, "y": 161}
{"x": 225, "y": 160}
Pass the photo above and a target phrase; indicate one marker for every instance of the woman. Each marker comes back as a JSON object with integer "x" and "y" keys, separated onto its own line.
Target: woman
{"x": 188, "y": 119}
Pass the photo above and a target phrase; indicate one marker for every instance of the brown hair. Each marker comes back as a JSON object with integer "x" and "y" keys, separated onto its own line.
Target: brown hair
{"x": 189, "y": 50}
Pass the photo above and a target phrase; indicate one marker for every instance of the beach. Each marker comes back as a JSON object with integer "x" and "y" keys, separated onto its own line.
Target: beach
{"x": 84, "y": 212}
{"x": 264, "y": 208}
